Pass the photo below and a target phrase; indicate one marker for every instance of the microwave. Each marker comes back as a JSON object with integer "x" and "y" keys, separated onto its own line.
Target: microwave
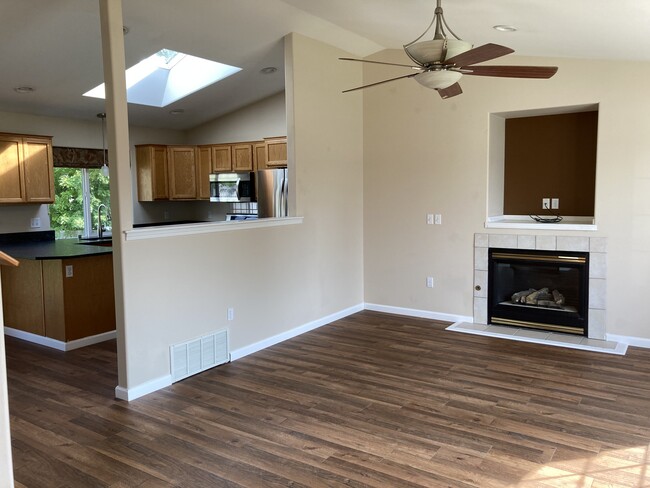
{"x": 232, "y": 187}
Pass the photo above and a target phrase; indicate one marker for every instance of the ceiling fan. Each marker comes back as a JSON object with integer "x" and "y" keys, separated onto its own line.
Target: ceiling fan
{"x": 442, "y": 61}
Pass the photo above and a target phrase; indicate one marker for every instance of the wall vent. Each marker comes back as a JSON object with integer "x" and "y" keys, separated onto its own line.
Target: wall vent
{"x": 197, "y": 355}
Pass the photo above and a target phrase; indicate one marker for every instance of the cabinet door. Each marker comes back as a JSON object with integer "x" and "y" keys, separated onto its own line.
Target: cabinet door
{"x": 38, "y": 170}
{"x": 259, "y": 156}
{"x": 242, "y": 157}
{"x": 181, "y": 161}
{"x": 221, "y": 158}
{"x": 12, "y": 183}
{"x": 276, "y": 152}
{"x": 151, "y": 162}
{"x": 204, "y": 168}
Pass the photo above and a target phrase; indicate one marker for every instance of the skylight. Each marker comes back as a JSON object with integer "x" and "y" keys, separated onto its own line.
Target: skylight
{"x": 167, "y": 76}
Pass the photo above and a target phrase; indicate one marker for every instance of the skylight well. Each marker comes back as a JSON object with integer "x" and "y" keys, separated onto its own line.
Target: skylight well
{"x": 167, "y": 76}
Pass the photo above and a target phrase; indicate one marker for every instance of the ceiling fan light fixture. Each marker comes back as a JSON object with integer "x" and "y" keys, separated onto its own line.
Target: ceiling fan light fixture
{"x": 436, "y": 50}
{"x": 438, "y": 80}
{"x": 505, "y": 28}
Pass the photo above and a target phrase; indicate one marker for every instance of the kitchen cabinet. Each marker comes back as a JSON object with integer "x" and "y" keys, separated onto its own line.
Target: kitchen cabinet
{"x": 39, "y": 298}
{"x": 259, "y": 155}
{"x": 151, "y": 162}
{"x": 182, "y": 171}
{"x": 242, "y": 157}
{"x": 221, "y": 158}
{"x": 276, "y": 152}
{"x": 26, "y": 169}
{"x": 203, "y": 170}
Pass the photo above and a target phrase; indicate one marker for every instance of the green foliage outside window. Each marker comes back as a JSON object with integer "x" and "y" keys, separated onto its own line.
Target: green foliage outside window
{"x": 66, "y": 213}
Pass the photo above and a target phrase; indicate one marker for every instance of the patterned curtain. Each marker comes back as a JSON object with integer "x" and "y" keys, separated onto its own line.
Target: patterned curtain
{"x": 76, "y": 157}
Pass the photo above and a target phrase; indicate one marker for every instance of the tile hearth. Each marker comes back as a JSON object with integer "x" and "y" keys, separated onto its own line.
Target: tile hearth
{"x": 595, "y": 246}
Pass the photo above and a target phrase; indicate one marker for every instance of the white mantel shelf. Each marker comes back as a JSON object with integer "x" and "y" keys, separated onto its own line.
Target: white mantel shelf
{"x": 525, "y": 222}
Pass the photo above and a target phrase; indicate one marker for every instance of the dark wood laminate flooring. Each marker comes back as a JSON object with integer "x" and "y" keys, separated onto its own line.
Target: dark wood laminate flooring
{"x": 371, "y": 400}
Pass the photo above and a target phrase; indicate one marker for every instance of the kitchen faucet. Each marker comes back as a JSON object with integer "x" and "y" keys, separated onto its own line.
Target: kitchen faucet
{"x": 100, "y": 228}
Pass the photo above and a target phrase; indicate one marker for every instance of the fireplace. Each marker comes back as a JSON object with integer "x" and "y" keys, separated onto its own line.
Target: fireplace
{"x": 539, "y": 289}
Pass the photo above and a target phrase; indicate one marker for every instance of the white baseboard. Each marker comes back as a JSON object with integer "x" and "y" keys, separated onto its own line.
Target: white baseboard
{"x": 630, "y": 341}
{"x": 130, "y": 394}
{"x": 271, "y": 341}
{"x": 60, "y": 345}
{"x": 423, "y": 314}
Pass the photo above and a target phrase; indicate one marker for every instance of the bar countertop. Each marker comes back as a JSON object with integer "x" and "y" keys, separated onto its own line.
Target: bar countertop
{"x": 42, "y": 245}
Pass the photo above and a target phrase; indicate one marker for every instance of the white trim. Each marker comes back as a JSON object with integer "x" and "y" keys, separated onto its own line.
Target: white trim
{"x": 424, "y": 314}
{"x": 630, "y": 341}
{"x": 129, "y": 394}
{"x": 60, "y": 345}
{"x": 271, "y": 341}
{"x": 156, "y": 232}
{"x": 523, "y": 222}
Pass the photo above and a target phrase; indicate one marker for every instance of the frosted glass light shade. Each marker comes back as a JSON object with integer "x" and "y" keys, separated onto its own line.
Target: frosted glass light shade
{"x": 104, "y": 170}
{"x": 438, "y": 79}
{"x": 429, "y": 52}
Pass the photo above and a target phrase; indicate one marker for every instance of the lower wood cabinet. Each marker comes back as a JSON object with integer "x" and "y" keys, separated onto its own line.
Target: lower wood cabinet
{"x": 39, "y": 298}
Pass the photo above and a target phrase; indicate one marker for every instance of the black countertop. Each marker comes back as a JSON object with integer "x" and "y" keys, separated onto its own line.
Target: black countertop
{"x": 42, "y": 245}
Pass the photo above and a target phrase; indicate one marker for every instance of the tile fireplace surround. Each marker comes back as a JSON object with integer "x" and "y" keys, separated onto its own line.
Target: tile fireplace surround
{"x": 595, "y": 246}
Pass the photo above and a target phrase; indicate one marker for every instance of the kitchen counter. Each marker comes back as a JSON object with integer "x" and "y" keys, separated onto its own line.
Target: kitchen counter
{"x": 53, "y": 249}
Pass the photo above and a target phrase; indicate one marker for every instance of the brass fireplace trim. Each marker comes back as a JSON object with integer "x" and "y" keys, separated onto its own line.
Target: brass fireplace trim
{"x": 536, "y": 325}
{"x": 536, "y": 257}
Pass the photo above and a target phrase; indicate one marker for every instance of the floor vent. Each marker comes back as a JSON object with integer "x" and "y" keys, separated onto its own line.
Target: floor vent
{"x": 199, "y": 354}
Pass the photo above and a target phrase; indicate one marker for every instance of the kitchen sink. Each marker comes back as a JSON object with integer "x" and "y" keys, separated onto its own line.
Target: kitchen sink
{"x": 96, "y": 241}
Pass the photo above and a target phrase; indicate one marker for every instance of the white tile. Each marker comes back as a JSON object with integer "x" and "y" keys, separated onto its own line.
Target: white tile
{"x": 532, "y": 334}
{"x": 597, "y": 324}
{"x": 598, "y": 244}
{"x": 570, "y": 243}
{"x": 502, "y": 329}
{"x": 481, "y": 240}
{"x": 565, "y": 338}
{"x": 599, "y": 343}
{"x": 468, "y": 326}
{"x": 598, "y": 265}
{"x": 545, "y": 243}
{"x": 597, "y": 294}
{"x": 481, "y": 258}
{"x": 525, "y": 242}
{"x": 481, "y": 281}
{"x": 480, "y": 310}
{"x": 505, "y": 241}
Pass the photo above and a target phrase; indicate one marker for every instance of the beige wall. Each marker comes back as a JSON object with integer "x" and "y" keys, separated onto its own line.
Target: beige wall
{"x": 278, "y": 278}
{"x": 425, "y": 155}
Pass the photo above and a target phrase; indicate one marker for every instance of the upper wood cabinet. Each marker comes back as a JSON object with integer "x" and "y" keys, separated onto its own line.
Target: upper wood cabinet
{"x": 181, "y": 163}
{"x": 203, "y": 170}
{"x": 221, "y": 158}
{"x": 26, "y": 169}
{"x": 151, "y": 162}
{"x": 276, "y": 152}
{"x": 242, "y": 157}
{"x": 259, "y": 155}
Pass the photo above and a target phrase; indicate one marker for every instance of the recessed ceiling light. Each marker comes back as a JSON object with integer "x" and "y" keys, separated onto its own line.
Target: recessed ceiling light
{"x": 24, "y": 89}
{"x": 505, "y": 28}
{"x": 177, "y": 111}
{"x": 268, "y": 70}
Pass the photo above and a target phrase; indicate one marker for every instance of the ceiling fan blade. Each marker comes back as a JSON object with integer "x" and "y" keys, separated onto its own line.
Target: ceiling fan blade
{"x": 450, "y": 91}
{"x": 478, "y": 55}
{"x": 542, "y": 72}
{"x": 381, "y": 62}
{"x": 380, "y": 82}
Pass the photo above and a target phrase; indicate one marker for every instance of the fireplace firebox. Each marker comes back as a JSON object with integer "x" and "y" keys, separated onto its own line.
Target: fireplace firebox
{"x": 546, "y": 290}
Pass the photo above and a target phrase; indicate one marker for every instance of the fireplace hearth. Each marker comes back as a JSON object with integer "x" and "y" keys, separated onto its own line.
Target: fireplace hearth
{"x": 536, "y": 289}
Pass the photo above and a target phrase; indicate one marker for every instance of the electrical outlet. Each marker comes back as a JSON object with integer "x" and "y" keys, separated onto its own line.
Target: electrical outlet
{"x": 555, "y": 203}
{"x": 68, "y": 271}
{"x": 35, "y": 223}
{"x": 546, "y": 203}
{"x": 231, "y": 314}
{"x": 429, "y": 281}
{"x": 438, "y": 219}
{"x": 429, "y": 219}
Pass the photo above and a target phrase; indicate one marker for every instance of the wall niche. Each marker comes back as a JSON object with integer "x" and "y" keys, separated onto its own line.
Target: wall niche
{"x": 537, "y": 154}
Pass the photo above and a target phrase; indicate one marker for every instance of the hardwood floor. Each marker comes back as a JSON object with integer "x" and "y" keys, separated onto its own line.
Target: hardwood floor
{"x": 371, "y": 400}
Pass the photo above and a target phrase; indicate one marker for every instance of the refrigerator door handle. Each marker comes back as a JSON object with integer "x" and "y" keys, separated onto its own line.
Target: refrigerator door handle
{"x": 283, "y": 199}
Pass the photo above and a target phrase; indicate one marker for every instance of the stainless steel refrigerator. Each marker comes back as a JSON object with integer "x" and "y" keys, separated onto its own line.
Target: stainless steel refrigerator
{"x": 272, "y": 188}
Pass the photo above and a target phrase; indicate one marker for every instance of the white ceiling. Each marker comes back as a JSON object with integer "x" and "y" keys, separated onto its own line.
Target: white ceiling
{"x": 54, "y": 45}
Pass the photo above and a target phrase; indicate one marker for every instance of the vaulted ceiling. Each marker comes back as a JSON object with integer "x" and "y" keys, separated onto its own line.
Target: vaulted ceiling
{"x": 54, "y": 46}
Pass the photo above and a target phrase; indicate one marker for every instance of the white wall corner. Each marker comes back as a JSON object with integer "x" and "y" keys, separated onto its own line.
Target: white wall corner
{"x": 130, "y": 394}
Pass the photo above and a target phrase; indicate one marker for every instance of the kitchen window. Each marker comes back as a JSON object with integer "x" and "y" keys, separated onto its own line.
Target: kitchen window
{"x": 79, "y": 188}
